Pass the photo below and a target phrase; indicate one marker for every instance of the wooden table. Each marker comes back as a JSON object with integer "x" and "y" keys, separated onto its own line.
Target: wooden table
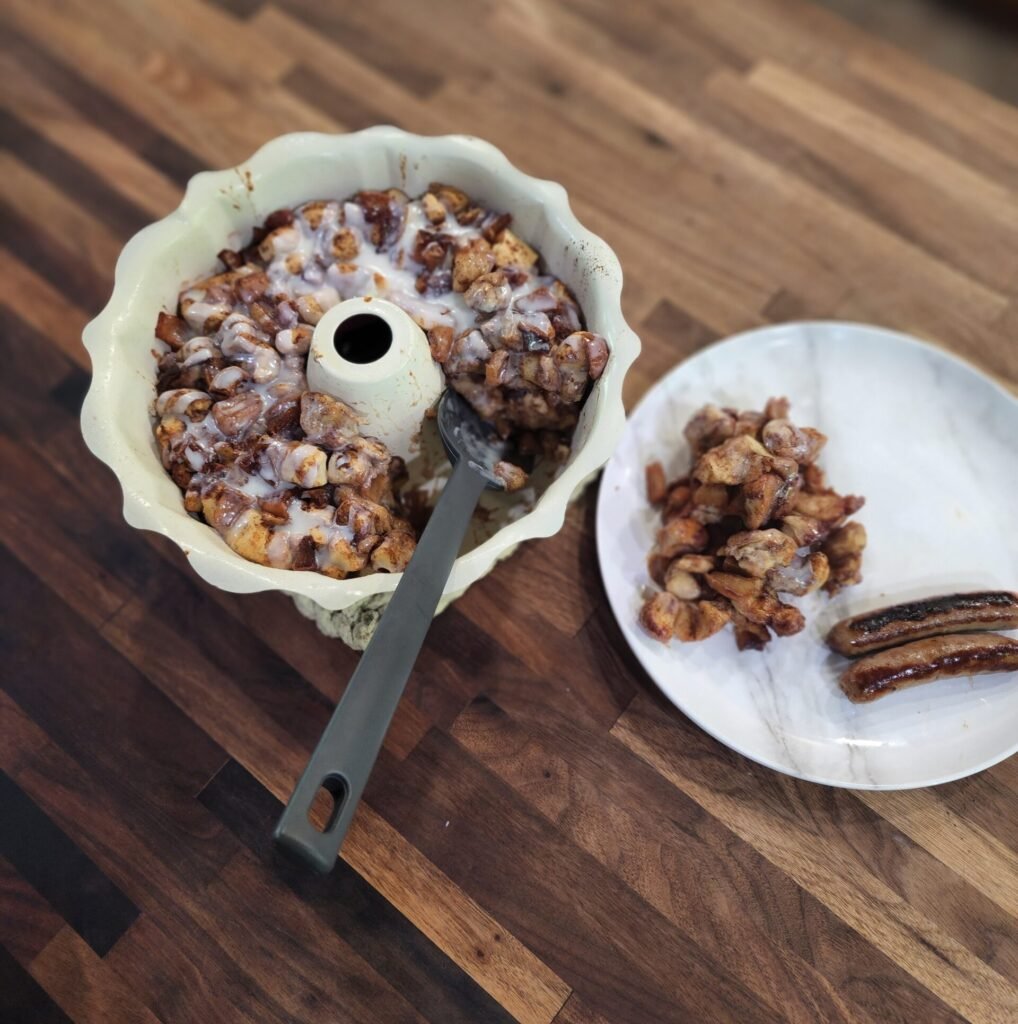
{"x": 544, "y": 839}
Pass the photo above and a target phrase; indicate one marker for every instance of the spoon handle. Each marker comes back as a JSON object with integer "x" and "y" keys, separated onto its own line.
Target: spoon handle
{"x": 348, "y": 747}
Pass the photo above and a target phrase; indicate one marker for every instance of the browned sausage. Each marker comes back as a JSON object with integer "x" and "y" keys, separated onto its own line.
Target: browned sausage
{"x": 929, "y": 616}
{"x": 960, "y": 654}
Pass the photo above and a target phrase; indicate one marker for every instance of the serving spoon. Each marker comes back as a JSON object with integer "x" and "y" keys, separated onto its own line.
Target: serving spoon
{"x": 346, "y": 752}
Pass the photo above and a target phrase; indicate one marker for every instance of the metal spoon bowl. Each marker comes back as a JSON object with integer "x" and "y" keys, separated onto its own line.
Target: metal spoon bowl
{"x": 348, "y": 748}
{"x": 466, "y": 436}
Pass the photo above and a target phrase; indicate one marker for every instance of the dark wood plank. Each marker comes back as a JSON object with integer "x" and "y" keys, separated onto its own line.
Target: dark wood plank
{"x": 834, "y": 857}
{"x": 309, "y": 970}
{"x": 240, "y": 8}
{"x": 367, "y": 35}
{"x": 482, "y": 835}
{"x": 185, "y": 974}
{"x": 350, "y": 110}
{"x": 22, "y": 998}
{"x": 27, "y": 921}
{"x": 595, "y": 682}
{"x": 81, "y": 553}
{"x": 979, "y": 800}
{"x": 86, "y": 987}
{"x": 574, "y": 1012}
{"x": 154, "y": 759}
{"x": 53, "y": 865}
{"x": 462, "y": 929}
{"x": 412, "y": 964}
{"x": 326, "y": 666}
{"x": 53, "y": 260}
{"x": 43, "y": 371}
{"x": 91, "y": 814}
{"x": 808, "y": 963}
{"x": 71, "y": 177}
{"x": 69, "y": 394}
{"x": 102, "y": 109}
{"x": 297, "y": 710}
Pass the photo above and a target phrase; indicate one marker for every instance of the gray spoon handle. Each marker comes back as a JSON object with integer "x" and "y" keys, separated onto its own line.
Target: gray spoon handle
{"x": 347, "y": 750}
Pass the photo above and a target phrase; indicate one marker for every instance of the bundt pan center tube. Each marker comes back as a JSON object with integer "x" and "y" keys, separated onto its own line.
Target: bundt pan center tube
{"x": 371, "y": 355}
{"x": 220, "y": 209}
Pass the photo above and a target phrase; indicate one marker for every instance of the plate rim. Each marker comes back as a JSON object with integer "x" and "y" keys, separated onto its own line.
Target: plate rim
{"x": 762, "y": 333}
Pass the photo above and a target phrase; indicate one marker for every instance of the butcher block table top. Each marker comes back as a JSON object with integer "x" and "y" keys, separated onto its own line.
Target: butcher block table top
{"x": 544, "y": 838}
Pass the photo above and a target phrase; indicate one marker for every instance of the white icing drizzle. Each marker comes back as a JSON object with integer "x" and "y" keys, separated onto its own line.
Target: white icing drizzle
{"x": 324, "y": 256}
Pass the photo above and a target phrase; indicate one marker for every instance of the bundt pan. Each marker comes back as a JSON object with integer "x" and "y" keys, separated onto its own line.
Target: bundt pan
{"x": 219, "y": 209}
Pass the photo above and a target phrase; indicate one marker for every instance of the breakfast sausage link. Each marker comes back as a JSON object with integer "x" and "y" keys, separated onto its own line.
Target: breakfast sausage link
{"x": 959, "y": 654}
{"x": 929, "y": 616}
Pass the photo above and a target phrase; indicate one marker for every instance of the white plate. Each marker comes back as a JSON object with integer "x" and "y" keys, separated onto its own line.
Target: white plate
{"x": 933, "y": 445}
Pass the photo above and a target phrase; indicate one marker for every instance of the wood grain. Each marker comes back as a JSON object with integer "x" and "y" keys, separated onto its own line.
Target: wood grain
{"x": 544, "y": 839}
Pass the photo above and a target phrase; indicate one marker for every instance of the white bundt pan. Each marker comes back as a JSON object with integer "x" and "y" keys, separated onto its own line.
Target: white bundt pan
{"x": 219, "y": 210}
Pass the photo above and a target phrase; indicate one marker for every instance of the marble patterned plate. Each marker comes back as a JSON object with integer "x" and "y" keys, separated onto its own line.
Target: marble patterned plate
{"x": 931, "y": 443}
